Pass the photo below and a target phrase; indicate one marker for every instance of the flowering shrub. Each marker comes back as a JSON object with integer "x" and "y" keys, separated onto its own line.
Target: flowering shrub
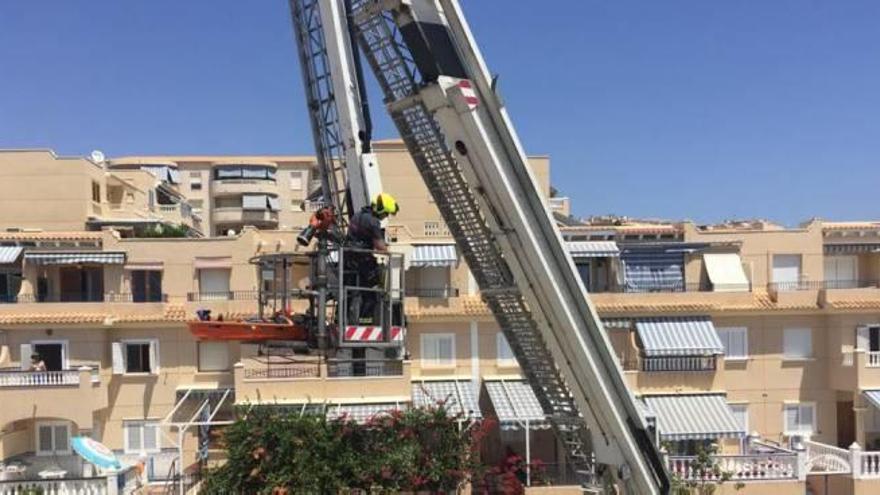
{"x": 278, "y": 454}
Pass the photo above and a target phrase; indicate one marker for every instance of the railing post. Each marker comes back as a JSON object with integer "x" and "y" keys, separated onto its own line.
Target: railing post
{"x": 800, "y": 467}
{"x": 855, "y": 459}
{"x": 113, "y": 483}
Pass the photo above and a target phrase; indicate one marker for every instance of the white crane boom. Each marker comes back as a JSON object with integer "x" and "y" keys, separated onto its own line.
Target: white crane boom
{"x": 439, "y": 94}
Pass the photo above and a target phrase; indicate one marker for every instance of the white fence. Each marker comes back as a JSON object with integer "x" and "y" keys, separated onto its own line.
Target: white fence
{"x": 827, "y": 459}
{"x": 84, "y": 486}
{"x": 751, "y": 467}
{"x": 38, "y": 378}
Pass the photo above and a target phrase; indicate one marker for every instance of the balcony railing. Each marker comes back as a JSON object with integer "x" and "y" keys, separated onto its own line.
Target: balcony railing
{"x": 364, "y": 367}
{"x": 678, "y": 363}
{"x": 437, "y": 292}
{"x": 822, "y": 284}
{"x": 305, "y": 369}
{"x": 67, "y": 486}
{"x": 752, "y": 467}
{"x": 17, "y": 378}
{"x": 670, "y": 287}
{"x": 80, "y": 297}
{"x": 873, "y": 360}
{"x": 236, "y": 295}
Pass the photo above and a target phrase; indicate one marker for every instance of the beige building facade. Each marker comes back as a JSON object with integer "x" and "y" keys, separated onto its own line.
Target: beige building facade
{"x": 776, "y": 330}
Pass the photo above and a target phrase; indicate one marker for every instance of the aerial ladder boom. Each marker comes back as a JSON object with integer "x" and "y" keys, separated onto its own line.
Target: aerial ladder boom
{"x": 440, "y": 96}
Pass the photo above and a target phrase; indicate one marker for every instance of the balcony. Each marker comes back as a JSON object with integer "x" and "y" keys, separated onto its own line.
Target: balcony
{"x": 84, "y": 297}
{"x": 432, "y": 292}
{"x": 239, "y": 216}
{"x": 69, "y": 394}
{"x": 676, "y": 363}
{"x": 234, "y": 187}
{"x": 303, "y": 380}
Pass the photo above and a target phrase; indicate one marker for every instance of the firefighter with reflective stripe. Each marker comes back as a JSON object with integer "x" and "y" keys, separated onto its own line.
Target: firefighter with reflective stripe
{"x": 365, "y": 232}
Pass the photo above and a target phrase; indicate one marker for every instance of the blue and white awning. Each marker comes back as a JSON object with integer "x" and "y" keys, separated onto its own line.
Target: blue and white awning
{"x": 9, "y": 254}
{"x": 592, "y": 249}
{"x": 873, "y": 397}
{"x": 693, "y": 336}
{"x": 362, "y": 413}
{"x": 430, "y": 255}
{"x": 693, "y": 417}
{"x": 515, "y": 405}
{"x": 457, "y": 397}
{"x": 655, "y": 268}
{"x": 75, "y": 258}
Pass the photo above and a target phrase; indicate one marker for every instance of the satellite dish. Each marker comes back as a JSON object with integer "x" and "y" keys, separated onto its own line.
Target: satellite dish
{"x": 97, "y": 156}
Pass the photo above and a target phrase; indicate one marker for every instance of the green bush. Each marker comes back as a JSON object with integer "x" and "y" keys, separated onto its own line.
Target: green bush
{"x": 276, "y": 453}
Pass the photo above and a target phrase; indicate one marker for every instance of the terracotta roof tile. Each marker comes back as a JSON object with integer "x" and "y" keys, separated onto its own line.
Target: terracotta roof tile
{"x": 50, "y": 236}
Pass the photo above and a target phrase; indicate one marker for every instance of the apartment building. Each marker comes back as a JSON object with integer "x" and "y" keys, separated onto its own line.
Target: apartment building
{"x": 761, "y": 339}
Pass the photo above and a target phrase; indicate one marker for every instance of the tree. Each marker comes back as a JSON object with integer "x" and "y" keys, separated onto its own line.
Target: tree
{"x": 275, "y": 453}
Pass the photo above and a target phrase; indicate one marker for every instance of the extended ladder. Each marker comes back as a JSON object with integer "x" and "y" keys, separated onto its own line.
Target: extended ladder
{"x": 487, "y": 242}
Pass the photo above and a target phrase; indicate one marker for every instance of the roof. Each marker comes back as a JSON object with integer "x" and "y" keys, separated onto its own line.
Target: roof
{"x": 695, "y": 336}
{"x": 851, "y": 225}
{"x": 457, "y": 396}
{"x": 75, "y": 257}
{"x": 50, "y": 236}
{"x": 515, "y": 404}
{"x": 693, "y": 417}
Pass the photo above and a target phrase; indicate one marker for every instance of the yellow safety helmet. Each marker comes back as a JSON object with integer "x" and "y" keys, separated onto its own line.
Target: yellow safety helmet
{"x": 385, "y": 204}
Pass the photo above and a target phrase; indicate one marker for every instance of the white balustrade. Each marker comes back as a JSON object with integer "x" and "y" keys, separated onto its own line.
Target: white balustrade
{"x": 39, "y": 378}
{"x": 869, "y": 463}
{"x": 824, "y": 458}
{"x": 740, "y": 467}
{"x": 90, "y": 486}
{"x": 873, "y": 359}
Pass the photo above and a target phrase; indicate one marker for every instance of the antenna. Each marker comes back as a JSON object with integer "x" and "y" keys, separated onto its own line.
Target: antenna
{"x": 97, "y": 156}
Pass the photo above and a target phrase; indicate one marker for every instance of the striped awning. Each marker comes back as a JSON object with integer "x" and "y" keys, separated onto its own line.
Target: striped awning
{"x": 693, "y": 417}
{"x": 592, "y": 249}
{"x": 362, "y": 413}
{"x": 852, "y": 248}
{"x": 434, "y": 255}
{"x": 726, "y": 272}
{"x": 9, "y": 254}
{"x": 653, "y": 269}
{"x": 75, "y": 258}
{"x": 515, "y": 403}
{"x": 457, "y": 397}
{"x": 163, "y": 173}
{"x": 873, "y": 397}
{"x": 695, "y": 336}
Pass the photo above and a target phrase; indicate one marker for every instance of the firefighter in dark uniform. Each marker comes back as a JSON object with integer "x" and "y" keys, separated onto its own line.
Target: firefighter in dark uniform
{"x": 365, "y": 232}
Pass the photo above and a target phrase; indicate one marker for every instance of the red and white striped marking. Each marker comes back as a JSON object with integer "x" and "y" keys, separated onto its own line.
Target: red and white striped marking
{"x": 371, "y": 334}
{"x": 468, "y": 93}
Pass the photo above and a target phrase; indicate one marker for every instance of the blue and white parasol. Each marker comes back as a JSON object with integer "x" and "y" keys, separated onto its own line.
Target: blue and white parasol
{"x": 95, "y": 452}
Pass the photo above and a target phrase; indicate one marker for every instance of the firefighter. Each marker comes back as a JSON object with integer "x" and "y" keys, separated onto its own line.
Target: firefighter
{"x": 365, "y": 232}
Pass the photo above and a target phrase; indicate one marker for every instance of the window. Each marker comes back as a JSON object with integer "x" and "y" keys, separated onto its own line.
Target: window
{"x": 52, "y": 353}
{"x": 244, "y": 172}
{"x": 797, "y": 343}
{"x": 504, "y": 352}
{"x": 141, "y": 437}
{"x": 136, "y": 357}
{"x": 213, "y": 356}
{"x": 741, "y": 413}
{"x": 195, "y": 181}
{"x": 296, "y": 180}
{"x": 146, "y": 286}
{"x": 438, "y": 349}
{"x": 786, "y": 271}
{"x": 841, "y": 272}
{"x": 53, "y": 437}
{"x": 96, "y": 192}
{"x": 800, "y": 419}
{"x": 197, "y": 205}
{"x": 736, "y": 342}
{"x": 214, "y": 284}
{"x": 228, "y": 202}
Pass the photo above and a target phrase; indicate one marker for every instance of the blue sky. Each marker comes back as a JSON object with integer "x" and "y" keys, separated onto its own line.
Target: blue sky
{"x": 676, "y": 109}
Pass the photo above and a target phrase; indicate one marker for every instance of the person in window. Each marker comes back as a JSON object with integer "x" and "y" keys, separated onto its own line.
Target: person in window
{"x": 365, "y": 232}
{"x": 37, "y": 363}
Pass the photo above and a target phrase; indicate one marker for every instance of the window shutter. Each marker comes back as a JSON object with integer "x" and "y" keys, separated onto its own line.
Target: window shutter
{"x": 118, "y": 351}
{"x": 806, "y": 423}
{"x": 154, "y": 356}
{"x": 26, "y": 356}
{"x": 791, "y": 418}
{"x": 862, "y": 337}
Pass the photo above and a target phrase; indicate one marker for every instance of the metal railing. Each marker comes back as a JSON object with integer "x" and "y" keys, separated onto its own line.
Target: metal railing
{"x": 22, "y": 378}
{"x": 678, "y": 363}
{"x": 80, "y": 297}
{"x": 851, "y": 284}
{"x": 305, "y": 369}
{"x": 232, "y": 295}
{"x": 433, "y": 292}
{"x": 337, "y": 368}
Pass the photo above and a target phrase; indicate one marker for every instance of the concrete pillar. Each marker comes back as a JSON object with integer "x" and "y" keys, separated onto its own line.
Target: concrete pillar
{"x": 861, "y": 414}
{"x": 855, "y": 456}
